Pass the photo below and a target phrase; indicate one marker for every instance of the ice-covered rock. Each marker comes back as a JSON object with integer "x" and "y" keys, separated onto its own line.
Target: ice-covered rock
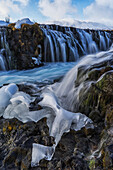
{"x": 23, "y": 21}
{"x": 19, "y": 108}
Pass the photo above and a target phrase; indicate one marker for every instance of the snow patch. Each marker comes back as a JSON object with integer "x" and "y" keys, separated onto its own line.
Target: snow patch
{"x": 3, "y": 23}
{"x": 23, "y": 21}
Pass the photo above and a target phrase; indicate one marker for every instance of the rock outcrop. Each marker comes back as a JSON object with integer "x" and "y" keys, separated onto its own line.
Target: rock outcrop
{"x": 25, "y": 45}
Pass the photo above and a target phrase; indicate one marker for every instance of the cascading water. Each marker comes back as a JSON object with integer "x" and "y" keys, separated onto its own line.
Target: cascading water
{"x": 5, "y": 54}
{"x": 76, "y": 83}
{"x": 69, "y": 44}
{"x": 2, "y": 61}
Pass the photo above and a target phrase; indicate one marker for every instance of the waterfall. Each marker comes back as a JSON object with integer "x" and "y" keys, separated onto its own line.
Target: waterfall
{"x": 2, "y": 63}
{"x": 5, "y": 54}
{"x": 76, "y": 81}
{"x": 68, "y": 44}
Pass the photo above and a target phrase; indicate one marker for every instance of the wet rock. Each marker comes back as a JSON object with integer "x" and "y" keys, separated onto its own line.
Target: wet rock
{"x": 95, "y": 115}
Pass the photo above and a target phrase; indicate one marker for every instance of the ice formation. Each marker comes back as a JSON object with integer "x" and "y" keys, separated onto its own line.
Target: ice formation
{"x": 6, "y": 93}
{"x": 39, "y": 152}
{"x": 15, "y": 104}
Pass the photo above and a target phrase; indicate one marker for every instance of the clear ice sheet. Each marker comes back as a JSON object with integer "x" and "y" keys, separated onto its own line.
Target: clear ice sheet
{"x": 6, "y": 93}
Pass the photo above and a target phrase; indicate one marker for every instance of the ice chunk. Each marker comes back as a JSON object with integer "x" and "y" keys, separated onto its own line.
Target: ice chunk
{"x": 19, "y": 108}
{"x": 22, "y": 97}
{"x": 41, "y": 152}
{"x": 6, "y": 92}
{"x": 80, "y": 120}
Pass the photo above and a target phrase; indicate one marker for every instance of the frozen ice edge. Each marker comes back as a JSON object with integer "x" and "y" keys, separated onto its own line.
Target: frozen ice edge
{"x": 16, "y": 105}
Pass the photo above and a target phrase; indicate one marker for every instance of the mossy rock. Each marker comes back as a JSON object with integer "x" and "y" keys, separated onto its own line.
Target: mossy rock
{"x": 98, "y": 96}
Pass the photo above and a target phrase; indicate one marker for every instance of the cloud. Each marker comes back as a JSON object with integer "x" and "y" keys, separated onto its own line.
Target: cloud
{"x": 105, "y": 3}
{"x": 9, "y": 6}
{"x": 100, "y": 11}
{"x": 56, "y": 9}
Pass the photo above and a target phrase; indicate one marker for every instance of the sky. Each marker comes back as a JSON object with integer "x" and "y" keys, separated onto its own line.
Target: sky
{"x": 41, "y": 11}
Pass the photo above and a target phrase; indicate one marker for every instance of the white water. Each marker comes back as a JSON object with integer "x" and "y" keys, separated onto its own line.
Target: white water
{"x": 2, "y": 63}
{"x": 5, "y": 54}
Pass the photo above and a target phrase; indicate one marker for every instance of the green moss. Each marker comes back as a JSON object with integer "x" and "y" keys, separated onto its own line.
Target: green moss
{"x": 92, "y": 164}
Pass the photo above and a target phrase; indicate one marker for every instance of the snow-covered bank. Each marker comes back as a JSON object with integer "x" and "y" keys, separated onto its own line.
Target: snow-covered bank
{"x": 23, "y": 21}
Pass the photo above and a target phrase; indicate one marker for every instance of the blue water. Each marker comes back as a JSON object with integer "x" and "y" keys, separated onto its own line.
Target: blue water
{"x": 49, "y": 72}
